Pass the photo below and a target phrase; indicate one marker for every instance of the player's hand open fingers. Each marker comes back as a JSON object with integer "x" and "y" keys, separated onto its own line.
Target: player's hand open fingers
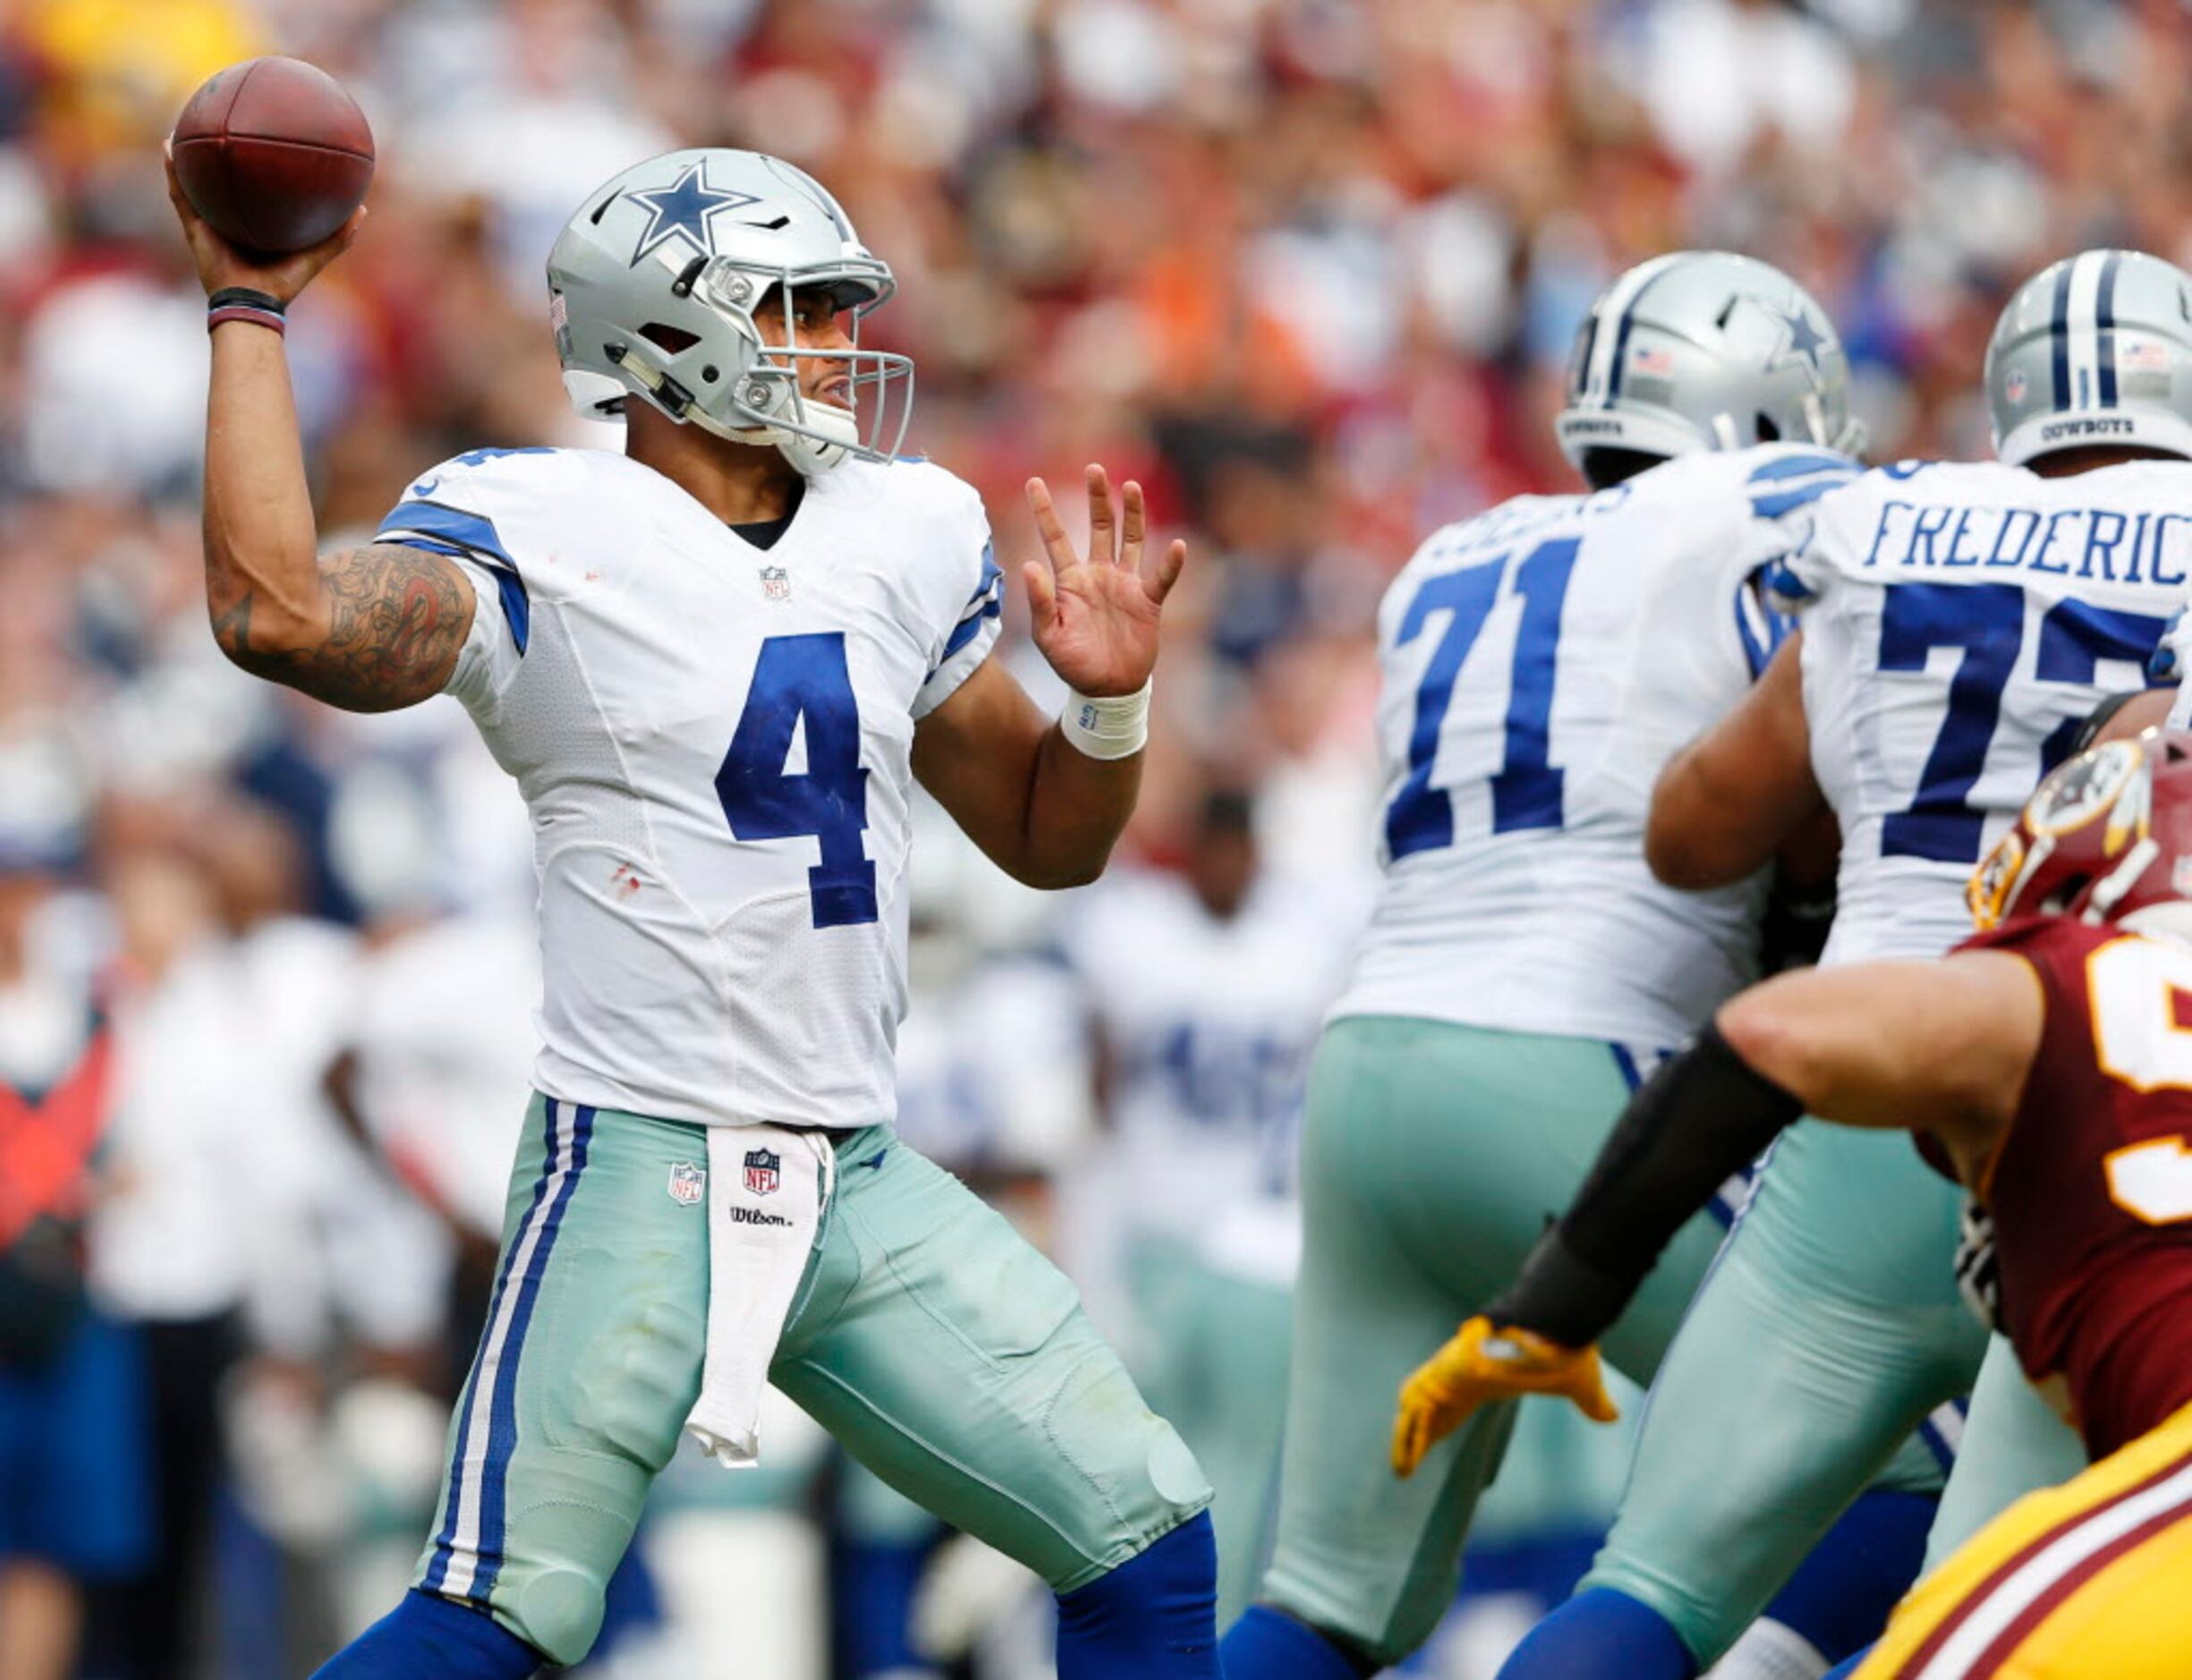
{"x": 1168, "y": 570}
{"x": 1055, "y": 542}
{"x": 1041, "y": 593}
{"x": 1102, "y": 530}
{"x": 1133, "y": 526}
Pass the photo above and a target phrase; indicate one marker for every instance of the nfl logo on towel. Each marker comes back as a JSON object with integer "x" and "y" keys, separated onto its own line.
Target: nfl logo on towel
{"x": 776, "y": 583}
{"x": 761, "y": 1167}
{"x": 687, "y": 1182}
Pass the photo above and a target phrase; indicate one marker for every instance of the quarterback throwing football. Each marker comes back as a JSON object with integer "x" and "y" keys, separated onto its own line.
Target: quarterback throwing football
{"x": 715, "y": 663}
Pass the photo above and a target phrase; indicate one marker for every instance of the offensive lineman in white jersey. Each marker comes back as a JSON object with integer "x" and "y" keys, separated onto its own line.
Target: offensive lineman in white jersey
{"x": 715, "y": 664}
{"x": 1959, "y": 623}
{"x": 1522, "y": 968}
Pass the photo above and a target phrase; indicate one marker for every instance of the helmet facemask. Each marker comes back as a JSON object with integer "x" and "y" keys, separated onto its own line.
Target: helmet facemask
{"x": 768, "y": 401}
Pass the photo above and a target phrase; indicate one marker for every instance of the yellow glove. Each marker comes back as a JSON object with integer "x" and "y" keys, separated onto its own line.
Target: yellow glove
{"x": 1482, "y": 1362}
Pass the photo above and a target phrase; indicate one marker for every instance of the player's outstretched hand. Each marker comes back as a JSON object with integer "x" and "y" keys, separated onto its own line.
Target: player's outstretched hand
{"x": 1096, "y": 619}
{"x": 221, "y": 264}
{"x": 1484, "y": 1361}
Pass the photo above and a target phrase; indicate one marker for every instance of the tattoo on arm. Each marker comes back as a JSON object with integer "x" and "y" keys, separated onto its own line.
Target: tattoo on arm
{"x": 396, "y": 619}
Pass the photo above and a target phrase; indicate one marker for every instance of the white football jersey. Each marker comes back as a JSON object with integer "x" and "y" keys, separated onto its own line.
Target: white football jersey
{"x": 1207, "y": 1027}
{"x": 712, "y": 738}
{"x": 1542, "y": 662}
{"x": 1960, "y": 621}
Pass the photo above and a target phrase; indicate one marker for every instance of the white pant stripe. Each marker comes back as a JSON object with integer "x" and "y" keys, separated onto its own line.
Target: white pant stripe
{"x": 472, "y": 1453}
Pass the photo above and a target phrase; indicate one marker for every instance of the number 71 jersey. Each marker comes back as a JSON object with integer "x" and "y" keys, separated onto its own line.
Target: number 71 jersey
{"x": 713, "y": 741}
{"x": 1540, "y": 663}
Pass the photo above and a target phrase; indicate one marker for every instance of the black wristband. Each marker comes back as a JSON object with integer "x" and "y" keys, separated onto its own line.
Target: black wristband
{"x": 243, "y": 303}
{"x": 1705, "y": 1115}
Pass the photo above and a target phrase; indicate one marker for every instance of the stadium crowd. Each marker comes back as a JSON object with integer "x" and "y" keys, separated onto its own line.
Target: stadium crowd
{"x": 1308, "y": 269}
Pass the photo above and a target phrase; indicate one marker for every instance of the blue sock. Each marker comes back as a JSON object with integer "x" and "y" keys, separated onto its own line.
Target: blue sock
{"x": 1839, "y": 1598}
{"x": 430, "y": 1635}
{"x": 1844, "y": 1670}
{"x": 1268, "y": 1644}
{"x": 631, "y": 1604}
{"x": 874, "y": 1585}
{"x": 1154, "y": 1617}
{"x": 1602, "y": 1634}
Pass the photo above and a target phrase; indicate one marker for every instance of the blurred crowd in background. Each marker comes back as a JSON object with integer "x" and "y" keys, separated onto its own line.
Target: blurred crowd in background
{"x": 1310, "y": 269}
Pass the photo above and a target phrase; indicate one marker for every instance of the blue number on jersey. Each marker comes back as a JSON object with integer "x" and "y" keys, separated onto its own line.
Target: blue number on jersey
{"x": 804, "y": 676}
{"x": 1987, "y": 621}
{"x": 1527, "y": 793}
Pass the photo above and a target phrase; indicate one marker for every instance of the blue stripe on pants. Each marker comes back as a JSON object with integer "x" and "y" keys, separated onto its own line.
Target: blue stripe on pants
{"x": 436, "y": 1575}
{"x": 502, "y": 1417}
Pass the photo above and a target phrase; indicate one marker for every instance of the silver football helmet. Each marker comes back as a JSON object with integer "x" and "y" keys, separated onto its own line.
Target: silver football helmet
{"x": 1706, "y": 350}
{"x": 652, "y": 290}
{"x": 2095, "y": 350}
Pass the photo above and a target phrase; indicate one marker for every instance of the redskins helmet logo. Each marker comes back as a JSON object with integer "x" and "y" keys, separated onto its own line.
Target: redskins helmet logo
{"x": 1988, "y": 890}
{"x": 2082, "y": 790}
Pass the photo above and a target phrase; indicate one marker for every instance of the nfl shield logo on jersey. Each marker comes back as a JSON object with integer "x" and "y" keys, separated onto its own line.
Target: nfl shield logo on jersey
{"x": 776, "y": 583}
{"x": 761, "y": 1167}
{"x": 687, "y": 1183}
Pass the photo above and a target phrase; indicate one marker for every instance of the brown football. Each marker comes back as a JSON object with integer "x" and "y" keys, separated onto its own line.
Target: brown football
{"x": 274, "y": 153}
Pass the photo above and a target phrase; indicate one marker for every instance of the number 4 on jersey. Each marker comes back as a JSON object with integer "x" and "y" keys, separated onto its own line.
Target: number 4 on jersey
{"x": 805, "y": 677}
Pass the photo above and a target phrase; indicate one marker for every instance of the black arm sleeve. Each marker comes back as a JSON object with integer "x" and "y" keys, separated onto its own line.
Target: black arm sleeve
{"x": 1706, "y": 1114}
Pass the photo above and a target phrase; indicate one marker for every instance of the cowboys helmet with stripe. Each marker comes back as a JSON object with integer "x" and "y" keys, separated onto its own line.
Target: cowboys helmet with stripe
{"x": 654, "y": 282}
{"x": 1705, "y": 350}
{"x": 2093, "y": 350}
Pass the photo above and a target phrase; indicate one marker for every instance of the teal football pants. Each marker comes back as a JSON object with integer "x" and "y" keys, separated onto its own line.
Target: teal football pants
{"x": 1828, "y": 1331}
{"x": 946, "y": 1354}
{"x": 1432, "y": 1155}
{"x": 1215, "y": 1366}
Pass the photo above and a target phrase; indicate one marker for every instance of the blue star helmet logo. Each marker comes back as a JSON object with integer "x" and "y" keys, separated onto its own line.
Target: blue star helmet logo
{"x": 1805, "y": 341}
{"x": 682, "y": 211}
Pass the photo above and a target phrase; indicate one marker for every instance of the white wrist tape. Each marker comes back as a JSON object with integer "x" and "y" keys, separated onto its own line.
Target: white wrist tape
{"x": 1114, "y": 727}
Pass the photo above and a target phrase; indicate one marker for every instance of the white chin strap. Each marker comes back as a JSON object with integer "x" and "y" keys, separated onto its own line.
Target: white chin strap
{"x": 825, "y": 441}
{"x": 808, "y": 454}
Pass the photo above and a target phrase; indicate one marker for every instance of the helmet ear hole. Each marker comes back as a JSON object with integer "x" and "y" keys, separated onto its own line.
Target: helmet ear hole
{"x": 670, "y": 340}
{"x": 1768, "y": 432}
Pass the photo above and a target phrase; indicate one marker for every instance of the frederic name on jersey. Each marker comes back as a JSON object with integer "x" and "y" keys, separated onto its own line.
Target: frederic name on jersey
{"x": 2152, "y": 546}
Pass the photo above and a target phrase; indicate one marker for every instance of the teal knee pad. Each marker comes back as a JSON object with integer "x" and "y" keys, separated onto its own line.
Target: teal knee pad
{"x": 556, "y": 1610}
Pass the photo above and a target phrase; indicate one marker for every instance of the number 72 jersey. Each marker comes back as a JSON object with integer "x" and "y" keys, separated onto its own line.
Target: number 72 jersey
{"x": 713, "y": 741}
{"x": 1960, "y": 621}
{"x": 1540, "y": 663}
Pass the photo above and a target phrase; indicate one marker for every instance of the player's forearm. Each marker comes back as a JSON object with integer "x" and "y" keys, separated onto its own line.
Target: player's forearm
{"x": 263, "y": 587}
{"x": 1725, "y": 803}
{"x": 367, "y": 629}
{"x": 1077, "y": 807}
{"x": 1703, "y": 1116}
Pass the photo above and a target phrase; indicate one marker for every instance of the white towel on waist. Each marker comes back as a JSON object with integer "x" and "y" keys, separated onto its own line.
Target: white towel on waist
{"x": 768, "y": 1187}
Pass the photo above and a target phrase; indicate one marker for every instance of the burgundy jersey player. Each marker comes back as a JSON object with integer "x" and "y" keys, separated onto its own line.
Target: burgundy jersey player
{"x": 2090, "y": 1186}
